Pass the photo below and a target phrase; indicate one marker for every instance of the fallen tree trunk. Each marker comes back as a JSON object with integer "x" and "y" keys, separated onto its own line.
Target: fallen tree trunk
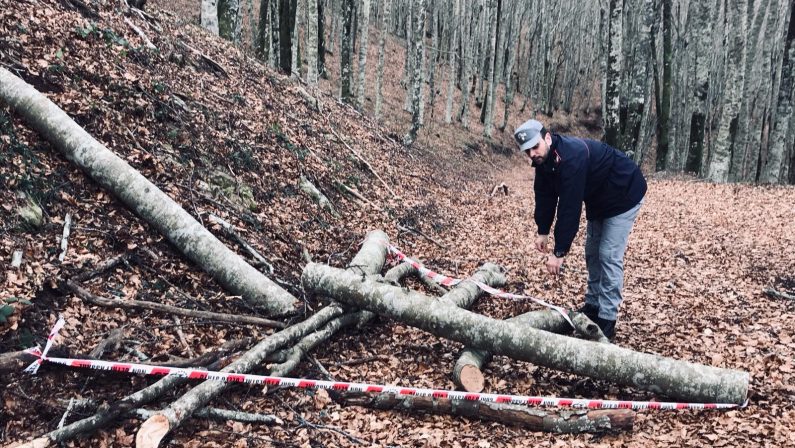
{"x": 165, "y": 421}
{"x": 560, "y": 421}
{"x": 467, "y": 372}
{"x": 679, "y": 380}
{"x": 143, "y": 197}
{"x": 368, "y": 261}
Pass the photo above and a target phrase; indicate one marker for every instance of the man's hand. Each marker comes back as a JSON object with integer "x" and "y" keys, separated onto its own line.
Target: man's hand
{"x": 541, "y": 243}
{"x": 554, "y": 264}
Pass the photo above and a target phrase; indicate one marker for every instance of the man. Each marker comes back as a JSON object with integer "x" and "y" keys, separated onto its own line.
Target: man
{"x": 570, "y": 171}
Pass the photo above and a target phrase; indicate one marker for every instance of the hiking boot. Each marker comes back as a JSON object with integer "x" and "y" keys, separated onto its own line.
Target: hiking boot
{"x": 608, "y": 327}
{"x": 591, "y": 311}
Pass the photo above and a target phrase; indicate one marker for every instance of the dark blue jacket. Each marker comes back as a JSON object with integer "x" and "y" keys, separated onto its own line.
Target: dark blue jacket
{"x": 581, "y": 170}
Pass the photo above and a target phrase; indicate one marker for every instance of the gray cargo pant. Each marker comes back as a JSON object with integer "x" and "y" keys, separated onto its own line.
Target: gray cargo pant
{"x": 605, "y": 244}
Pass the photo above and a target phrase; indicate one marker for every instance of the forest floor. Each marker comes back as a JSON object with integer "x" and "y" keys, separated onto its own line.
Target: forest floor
{"x": 699, "y": 256}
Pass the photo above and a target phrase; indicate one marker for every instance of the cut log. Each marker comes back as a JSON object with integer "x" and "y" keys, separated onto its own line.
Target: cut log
{"x": 151, "y": 430}
{"x": 143, "y": 197}
{"x": 368, "y": 261}
{"x": 467, "y": 372}
{"x": 679, "y": 380}
{"x": 560, "y": 421}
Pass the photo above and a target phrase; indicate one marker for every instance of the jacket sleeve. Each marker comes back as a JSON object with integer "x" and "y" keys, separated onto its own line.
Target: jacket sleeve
{"x": 546, "y": 201}
{"x": 572, "y": 191}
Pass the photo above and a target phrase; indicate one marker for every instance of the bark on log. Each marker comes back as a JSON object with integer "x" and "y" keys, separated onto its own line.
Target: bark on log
{"x": 199, "y": 396}
{"x": 368, "y": 261}
{"x": 143, "y": 197}
{"x": 679, "y": 380}
{"x": 467, "y": 372}
{"x": 561, "y": 421}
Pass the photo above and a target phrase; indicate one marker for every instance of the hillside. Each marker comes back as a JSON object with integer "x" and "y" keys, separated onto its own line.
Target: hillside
{"x": 223, "y": 135}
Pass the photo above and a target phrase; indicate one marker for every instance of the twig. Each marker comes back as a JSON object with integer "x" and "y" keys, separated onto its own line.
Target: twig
{"x": 230, "y": 230}
{"x": 353, "y": 192}
{"x": 206, "y": 58}
{"x": 67, "y": 225}
{"x": 132, "y": 304}
{"x": 778, "y": 294}
{"x": 204, "y": 359}
{"x": 417, "y": 232}
{"x": 66, "y": 413}
{"x": 112, "y": 341}
{"x": 304, "y": 422}
{"x": 356, "y": 362}
{"x": 320, "y": 367}
{"x": 148, "y": 43}
{"x": 363, "y": 160}
{"x": 181, "y": 335}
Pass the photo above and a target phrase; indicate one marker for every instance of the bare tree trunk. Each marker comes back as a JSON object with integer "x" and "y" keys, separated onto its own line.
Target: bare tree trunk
{"x": 346, "y": 51}
{"x": 703, "y": 29}
{"x": 209, "y": 16}
{"x": 228, "y": 14}
{"x": 772, "y": 172}
{"x": 676, "y": 379}
{"x": 466, "y": 55}
{"x": 418, "y": 81}
{"x": 613, "y": 74}
{"x": 379, "y": 79}
{"x": 720, "y": 162}
{"x": 295, "y": 61}
{"x": 495, "y": 62}
{"x": 517, "y": 20}
{"x": 455, "y": 24}
{"x": 143, "y": 197}
{"x": 364, "y": 20}
{"x": 312, "y": 32}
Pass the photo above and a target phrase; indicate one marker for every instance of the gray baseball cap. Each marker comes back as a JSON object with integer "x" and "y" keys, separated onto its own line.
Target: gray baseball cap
{"x": 528, "y": 134}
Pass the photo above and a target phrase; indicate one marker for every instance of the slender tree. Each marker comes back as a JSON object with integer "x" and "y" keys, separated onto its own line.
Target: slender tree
{"x": 346, "y": 51}
{"x": 295, "y": 57}
{"x": 517, "y": 17}
{"x": 209, "y": 15}
{"x": 419, "y": 54}
{"x": 379, "y": 77}
{"x": 364, "y": 20}
{"x": 313, "y": 30}
{"x": 613, "y": 73}
{"x": 488, "y": 127}
{"x": 454, "y": 24}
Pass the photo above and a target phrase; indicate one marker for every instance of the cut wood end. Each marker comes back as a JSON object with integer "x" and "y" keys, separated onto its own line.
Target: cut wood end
{"x": 472, "y": 379}
{"x": 152, "y": 431}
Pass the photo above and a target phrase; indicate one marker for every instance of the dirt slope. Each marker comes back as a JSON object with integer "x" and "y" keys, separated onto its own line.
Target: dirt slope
{"x": 698, "y": 259}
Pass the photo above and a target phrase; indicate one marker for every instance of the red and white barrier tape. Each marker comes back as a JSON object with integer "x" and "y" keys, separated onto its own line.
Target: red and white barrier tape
{"x": 450, "y": 281}
{"x": 352, "y": 387}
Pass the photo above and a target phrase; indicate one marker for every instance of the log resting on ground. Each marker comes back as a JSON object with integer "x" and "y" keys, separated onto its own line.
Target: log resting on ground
{"x": 143, "y": 197}
{"x": 678, "y": 380}
{"x": 467, "y": 372}
{"x": 557, "y": 421}
{"x": 368, "y": 261}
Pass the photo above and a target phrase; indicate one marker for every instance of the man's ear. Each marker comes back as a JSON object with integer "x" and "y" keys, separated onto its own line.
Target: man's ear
{"x": 548, "y": 138}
